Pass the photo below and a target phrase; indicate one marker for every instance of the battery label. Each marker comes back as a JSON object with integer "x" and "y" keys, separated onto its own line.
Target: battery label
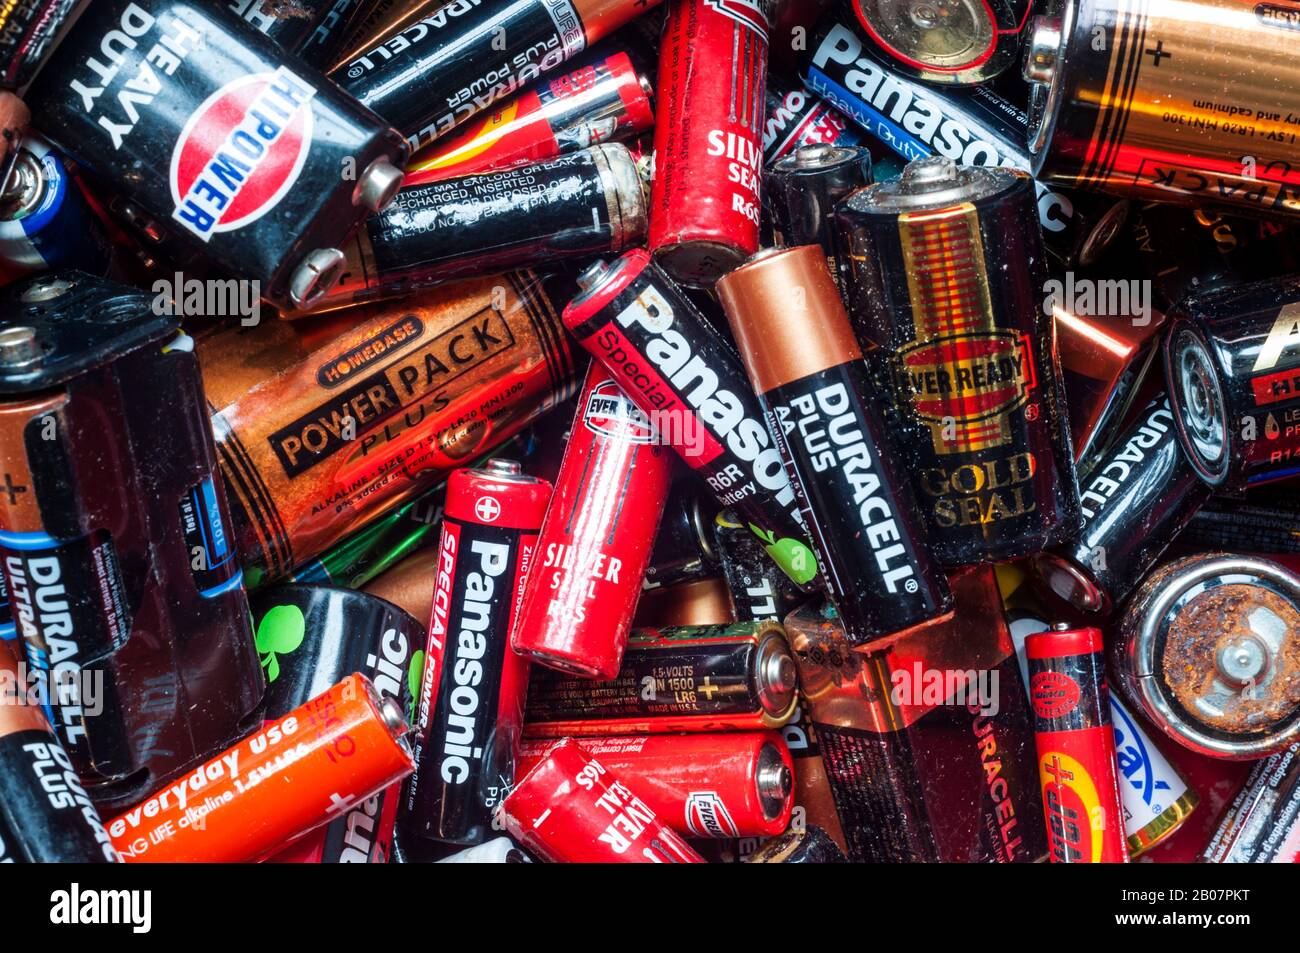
{"x": 213, "y": 560}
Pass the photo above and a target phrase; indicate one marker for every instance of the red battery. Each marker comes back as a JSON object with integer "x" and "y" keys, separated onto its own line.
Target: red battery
{"x": 571, "y": 809}
{"x": 601, "y": 102}
{"x": 711, "y": 785}
{"x": 288, "y": 777}
{"x": 597, "y": 535}
{"x": 705, "y": 206}
{"x": 1076, "y": 746}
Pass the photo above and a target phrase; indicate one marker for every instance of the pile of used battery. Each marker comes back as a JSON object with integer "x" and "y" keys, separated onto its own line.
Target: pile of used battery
{"x": 609, "y": 430}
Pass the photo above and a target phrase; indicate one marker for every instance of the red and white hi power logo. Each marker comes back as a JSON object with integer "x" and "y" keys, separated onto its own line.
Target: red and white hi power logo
{"x": 748, "y": 12}
{"x": 241, "y": 152}
{"x": 610, "y": 412}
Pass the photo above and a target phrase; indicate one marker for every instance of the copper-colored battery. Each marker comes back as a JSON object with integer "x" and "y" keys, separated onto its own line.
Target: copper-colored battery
{"x": 382, "y": 411}
{"x": 699, "y": 602}
{"x": 409, "y": 584}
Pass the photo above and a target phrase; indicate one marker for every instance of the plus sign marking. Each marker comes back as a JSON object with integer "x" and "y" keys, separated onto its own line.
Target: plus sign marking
{"x": 487, "y": 509}
{"x": 1157, "y": 53}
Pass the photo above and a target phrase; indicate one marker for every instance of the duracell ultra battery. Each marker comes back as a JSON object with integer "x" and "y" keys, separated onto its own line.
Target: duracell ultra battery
{"x": 383, "y": 411}
{"x": 818, "y": 402}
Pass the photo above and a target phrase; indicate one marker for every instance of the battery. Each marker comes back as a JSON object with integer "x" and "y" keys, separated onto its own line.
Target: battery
{"x": 571, "y": 809}
{"x": 700, "y": 678}
{"x": 575, "y": 206}
{"x": 925, "y": 740}
{"x": 46, "y": 816}
{"x": 118, "y": 555}
{"x": 310, "y": 29}
{"x": 308, "y": 639}
{"x": 600, "y": 102}
{"x": 597, "y": 536}
{"x": 703, "y": 602}
{"x": 381, "y": 411}
{"x": 1148, "y": 100}
{"x": 706, "y": 200}
{"x": 756, "y": 588}
{"x": 811, "y": 845}
{"x": 819, "y": 403}
{"x": 689, "y": 381}
{"x": 1262, "y": 826}
{"x": 944, "y": 273}
{"x": 797, "y": 117}
{"x": 29, "y": 32}
{"x": 729, "y": 784}
{"x": 1207, "y": 650}
{"x": 45, "y": 221}
{"x": 684, "y": 549}
{"x": 436, "y": 65}
{"x": 1137, "y": 498}
{"x": 471, "y": 702}
{"x": 805, "y": 185}
{"x": 1233, "y": 369}
{"x": 312, "y": 765}
{"x": 499, "y": 851}
{"x": 1245, "y": 526}
{"x": 1076, "y": 746}
{"x": 236, "y": 156}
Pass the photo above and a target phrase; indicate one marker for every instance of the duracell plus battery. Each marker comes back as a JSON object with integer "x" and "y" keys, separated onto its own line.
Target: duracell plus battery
{"x": 46, "y": 816}
{"x": 1174, "y": 101}
{"x": 803, "y": 187}
{"x": 1232, "y": 360}
{"x": 434, "y": 65}
{"x": 575, "y": 206}
{"x": 818, "y": 400}
{"x": 944, "y": 270}
{"x": 382, "y": 411}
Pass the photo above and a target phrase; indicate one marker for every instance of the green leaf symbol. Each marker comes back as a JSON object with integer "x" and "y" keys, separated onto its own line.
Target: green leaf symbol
{"x": 414, "y": 676}
{"x": 280, "y": 632}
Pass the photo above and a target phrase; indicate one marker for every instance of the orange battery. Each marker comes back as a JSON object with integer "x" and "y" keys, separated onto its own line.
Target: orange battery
{"x": 290, "y": 776}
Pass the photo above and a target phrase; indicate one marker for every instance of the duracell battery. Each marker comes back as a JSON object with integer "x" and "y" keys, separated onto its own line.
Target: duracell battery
{"x": 818, "y": 400}
{"x": 381, "y": 412}
{"x": 699, "y": 678}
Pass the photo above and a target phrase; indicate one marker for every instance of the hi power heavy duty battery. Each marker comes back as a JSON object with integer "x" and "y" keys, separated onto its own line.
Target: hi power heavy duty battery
{"x": 118, "y": 556}
{"x": 944, "y": 271}
{"x": 1190, "y": 102}
{"x": 1232, "y": 359}
{"x": 439, "y": 63}
{"x": 240, "y": 154}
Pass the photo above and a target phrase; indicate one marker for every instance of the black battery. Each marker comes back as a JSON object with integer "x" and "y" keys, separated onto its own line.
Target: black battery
{"x": 1247, "y": 525}
{"x": 685, "y": 549}
{"x": 29, "y": 32}
{"x": 1232, "y": 360}
{"x": 1262, "y": 825}
{"x": 688, "y": 678}
{"x": 311, "y": 29}
{"x": 239, "y": 153}
{"x": 809, "y": 845}
{"x": 1135, "y": 499}
{"x": 114, "y": 531}
{"x": 803, "y": 187}
{"x": 757, "y": 588}
{"x": 46, "y": 816}
{"x": 944, "y": 270}
{"x": 580, "y": 205}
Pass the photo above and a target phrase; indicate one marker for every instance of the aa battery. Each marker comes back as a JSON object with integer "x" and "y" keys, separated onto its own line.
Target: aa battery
{"x": 684, "y": 549}
{"x": 1234, "y": 381}
{"x": 46, "y": 816}
{"x": 1262, "y": 826}
{"x": 797, "y": 117}
{"x": 571, "y": 809}
{"x": 812, "y": 845}
{"x": 45, "y": 221}
{"x": 1176, "y": 127}
{"x": 1155, "y": 798}
{"x": 1137, "y": 498}
{"x": 436, "y": 65}
{"x": 702, "y": 678}
{"x": 805, "y": 185}
{"x": 729, "y": 784}
{"x": 926, "y": 741}
{"x": 118, "y": 554}
{"x": 29, "y": 32}
{"x": 597, "y": 536}
{"x": 756, "y": 588}
{"x": 236, "y": 157}
{"x": 381, "y": 411}
{"x": 1076, "y": 746}
{"x": 1207, "y": 650}
{"x": 471, "y": 703}
{"x": 706, "y": 200}
{"x": 818, "y": 401}
{"x": 310, "y": 766}
{"x": 600, "y": 102}
{"x": 943, "y": 271}
{"x": 312, "y": 637}
{"x": 687, "y": 378}
{"x": 311, "y": 29}
{"x": 575, "y": 206}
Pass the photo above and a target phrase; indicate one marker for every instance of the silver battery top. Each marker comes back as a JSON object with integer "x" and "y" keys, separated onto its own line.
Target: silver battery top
{"x": 931, "y": 183}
